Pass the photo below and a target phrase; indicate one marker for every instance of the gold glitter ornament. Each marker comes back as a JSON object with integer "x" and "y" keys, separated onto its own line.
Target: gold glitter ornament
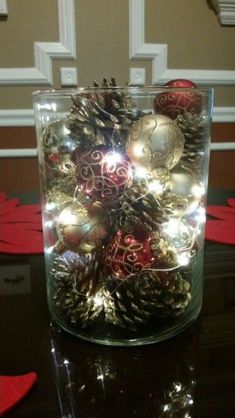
{"x": 155, "y": 141}
{"x": 82, "y": 228}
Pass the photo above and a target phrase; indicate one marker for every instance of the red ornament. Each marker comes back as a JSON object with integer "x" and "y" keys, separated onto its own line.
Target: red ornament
{"x": 102, "y": 173}
{"x": 127, "y": 255}
{"x": 172, "y": 103}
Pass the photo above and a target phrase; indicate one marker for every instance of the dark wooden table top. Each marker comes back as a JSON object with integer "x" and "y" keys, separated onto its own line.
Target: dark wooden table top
{"x": 191, "y": 375}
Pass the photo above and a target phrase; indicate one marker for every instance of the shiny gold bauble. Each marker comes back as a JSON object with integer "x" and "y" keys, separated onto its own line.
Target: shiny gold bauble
{"x": 82, "y": 228}
{"x": 155, "y": 141}
{"x": 185, "y": 185}
{"x": 66, "y": 167}
{"x": 58, "y": 137}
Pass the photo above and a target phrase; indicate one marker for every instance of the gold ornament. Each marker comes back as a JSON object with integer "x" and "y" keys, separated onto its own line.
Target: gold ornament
{"x": 57, "y": 137}
{"x": 81, "y": 228}
{"x": 57, "y": 200}
{"x": 155, "y": 141}
{"x": 186, "y": 186}
{"x": 66, "y": 167}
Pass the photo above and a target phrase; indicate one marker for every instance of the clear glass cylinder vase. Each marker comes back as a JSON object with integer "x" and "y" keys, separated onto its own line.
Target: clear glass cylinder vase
{"x": 123, "y": 190}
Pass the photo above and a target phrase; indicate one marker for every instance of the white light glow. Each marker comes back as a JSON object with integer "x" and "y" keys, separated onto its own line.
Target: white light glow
{"x": 141, "y": 172}
{"x": 198, "y": 190}
{"x": 66, "y": 130}
{"x": 98, "y": 300}
{"x": 156, "y": 187}
{"x": 171, "y": 227}
{"x": 183, "y": 259}
{"x": 49, "y": 224}
{"x": 50, "y": 206}
{"x": 200, "y": 216}
{"x": 178, "y": 387}
{"x": 112, "y": 158}
{"x": 166, "y": 408}
{"x": 66, "y": 217}
{"x": 100, "y": 377}
{"x": 138, "y": 150}
{"x": 49, "y": 250}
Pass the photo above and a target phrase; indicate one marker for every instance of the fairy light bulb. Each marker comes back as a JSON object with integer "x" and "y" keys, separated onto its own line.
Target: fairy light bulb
{"x": 184, "y": 258}
{"x": 198, "y": 190}
{"x": 50, "y": 206}
{"x": 200, "y": 215}
{"x": 171, "y": 227}
{"x": 140, "y": 172}
{"x": 156, "y": 187}
{"x": 98, "y": 300}
{"x": 111, "y": 159}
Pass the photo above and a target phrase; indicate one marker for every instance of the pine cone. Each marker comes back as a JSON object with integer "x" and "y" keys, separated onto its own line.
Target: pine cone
{"x": 193, "y": 128}
{"x": 117, "y": 102}
{"x": 140, "y": 209}
{"x": 74, "y": 287}
{"x": 103, "y": 118}
{"x": 133, "y": 302}
{"x": 90, "y": 121}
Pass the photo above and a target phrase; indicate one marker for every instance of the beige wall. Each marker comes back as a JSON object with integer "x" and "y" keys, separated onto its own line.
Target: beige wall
{"x": 195, "y": 39}
{"x": 190, "y": 28}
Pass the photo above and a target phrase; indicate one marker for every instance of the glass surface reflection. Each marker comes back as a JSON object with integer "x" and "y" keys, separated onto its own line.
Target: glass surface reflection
{"x": 97, "y": 382}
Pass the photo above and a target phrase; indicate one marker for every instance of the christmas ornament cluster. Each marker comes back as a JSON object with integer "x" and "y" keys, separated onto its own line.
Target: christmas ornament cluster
{"x": 124, "y": 193}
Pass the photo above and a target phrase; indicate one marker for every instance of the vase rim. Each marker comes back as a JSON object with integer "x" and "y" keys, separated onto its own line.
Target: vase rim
{"x": 132, "y": 89}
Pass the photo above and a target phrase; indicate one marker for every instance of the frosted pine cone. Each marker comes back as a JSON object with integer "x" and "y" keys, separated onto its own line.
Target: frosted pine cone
{"x": 103, "y": 116}
{"x": 74, "y": 287}
{"x": 140, "y": 209}
{"x": 90, "y": 120}
{"x": 193, "y": 128}
{"x": 135, "y": 301}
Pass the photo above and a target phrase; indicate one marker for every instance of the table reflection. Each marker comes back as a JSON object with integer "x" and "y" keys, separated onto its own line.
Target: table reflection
{"x": 96, "y": 381}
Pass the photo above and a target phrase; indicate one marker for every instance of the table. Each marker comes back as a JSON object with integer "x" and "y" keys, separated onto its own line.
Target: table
{"x": 193, "y": 373}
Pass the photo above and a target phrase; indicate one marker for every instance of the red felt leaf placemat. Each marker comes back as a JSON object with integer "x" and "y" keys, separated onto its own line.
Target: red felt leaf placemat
{"x": 13, "y": 389}
{"x": 222, "y": 228}
{"x": 20, "y": 227}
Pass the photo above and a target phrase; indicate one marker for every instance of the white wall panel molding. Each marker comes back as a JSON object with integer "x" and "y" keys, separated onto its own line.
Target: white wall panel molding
{"x": 224, "y": 114}
{"x": 225, "y": 10}
{"x": 139, "y": 49}
{"x": 32, "y": 152}
{"x": 18, "y": 153}
{"x": 3, "y": 8}
{"x": 17, "y": 117}
{"x": 44, "y": 52}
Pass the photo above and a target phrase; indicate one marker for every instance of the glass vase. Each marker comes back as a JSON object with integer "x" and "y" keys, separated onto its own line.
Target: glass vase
{"x": 123, "y": 191}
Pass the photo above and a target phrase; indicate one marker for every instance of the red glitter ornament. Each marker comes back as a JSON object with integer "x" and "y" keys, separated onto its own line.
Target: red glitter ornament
{"x": 102, "y": 173}
{"x": 127, "y": 255}
{"x": 172, "y": 103}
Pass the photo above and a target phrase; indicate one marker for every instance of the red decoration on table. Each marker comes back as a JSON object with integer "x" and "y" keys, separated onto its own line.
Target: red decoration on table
{"x": 221, "y": 229}
{"x": 13, "y": 389}
{"x": 172, "y": 103}
{"x": 20, "y": 227}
